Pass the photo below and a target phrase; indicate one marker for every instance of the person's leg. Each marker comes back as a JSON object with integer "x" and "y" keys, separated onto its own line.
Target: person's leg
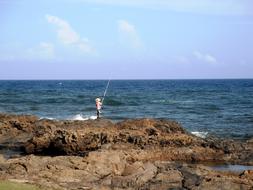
{"x": 98, "y": 114}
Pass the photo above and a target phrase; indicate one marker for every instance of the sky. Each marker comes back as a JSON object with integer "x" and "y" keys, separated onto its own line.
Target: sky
{"x": 126, "y": 39}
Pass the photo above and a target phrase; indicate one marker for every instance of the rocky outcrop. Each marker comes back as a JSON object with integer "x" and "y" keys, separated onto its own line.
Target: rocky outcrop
{"x": 15, "y": 131}
{"x": 132, "y": 154}
{"x": 110, "y": 169}
{"x": 144, "y": 139}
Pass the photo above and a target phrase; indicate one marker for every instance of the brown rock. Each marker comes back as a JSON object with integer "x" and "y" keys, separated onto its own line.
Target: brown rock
{"x": 132, "y": 154}
{"x": 223, "y": 183}
{"x": 104, "y": 163}
{"x": 172, "y": 177}
{"x": 247, "y": 174}
{"x": 137, "y": 178}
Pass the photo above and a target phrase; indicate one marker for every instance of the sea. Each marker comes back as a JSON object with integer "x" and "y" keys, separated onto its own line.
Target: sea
{"x": 222, "y": 108}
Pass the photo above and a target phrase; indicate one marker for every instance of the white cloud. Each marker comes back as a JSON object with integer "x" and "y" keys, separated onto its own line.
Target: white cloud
{"x": 205, "y": 57}
{"x": 229, "y": 7}
{"x": 129, "y": 34}
{"x": 68, "y": 36}
{"x": 44, "y": 50}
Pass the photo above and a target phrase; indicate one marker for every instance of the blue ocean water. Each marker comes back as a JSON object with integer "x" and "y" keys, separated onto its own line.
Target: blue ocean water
{"x": 218, "y": 107}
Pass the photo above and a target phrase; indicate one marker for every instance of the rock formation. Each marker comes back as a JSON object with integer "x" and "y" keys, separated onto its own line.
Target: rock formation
{"x": 132, "y": 154}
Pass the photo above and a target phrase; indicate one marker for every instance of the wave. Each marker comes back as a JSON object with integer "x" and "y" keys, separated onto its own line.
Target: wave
{"x": 77, "y": 117}
{"x": 80, "y": 117}
{"x": 47, "y": 118}
{"x": 200, "y": 134}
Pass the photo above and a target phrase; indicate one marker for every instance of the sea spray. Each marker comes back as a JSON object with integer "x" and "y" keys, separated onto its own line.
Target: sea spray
{"x": 80, "y": 117}
{"x": 200, "y": 134}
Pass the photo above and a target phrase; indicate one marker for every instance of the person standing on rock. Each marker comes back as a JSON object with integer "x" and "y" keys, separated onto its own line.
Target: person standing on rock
{"x": 98, "y": 106}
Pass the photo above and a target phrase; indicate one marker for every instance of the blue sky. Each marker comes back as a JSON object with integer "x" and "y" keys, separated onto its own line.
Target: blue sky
{"x": 126, "y": 39}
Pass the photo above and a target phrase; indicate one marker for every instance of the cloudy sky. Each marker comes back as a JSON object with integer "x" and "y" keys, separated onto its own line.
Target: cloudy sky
{"x": 126, "y": 39}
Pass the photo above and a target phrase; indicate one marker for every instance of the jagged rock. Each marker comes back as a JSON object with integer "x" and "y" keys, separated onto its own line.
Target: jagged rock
{"x": 247, "y": 174}
{"x": 157, "y": 139}
{"x": 132, "y": 154}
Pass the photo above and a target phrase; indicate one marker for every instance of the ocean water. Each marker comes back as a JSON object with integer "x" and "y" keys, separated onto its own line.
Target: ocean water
{"x": 205, "y": 107}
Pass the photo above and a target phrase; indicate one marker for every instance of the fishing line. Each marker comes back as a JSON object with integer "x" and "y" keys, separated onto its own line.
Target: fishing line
{"x": 107, "y": 86}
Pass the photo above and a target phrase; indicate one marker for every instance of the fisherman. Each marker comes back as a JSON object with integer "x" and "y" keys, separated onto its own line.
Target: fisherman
{"x": 98, "y": 106}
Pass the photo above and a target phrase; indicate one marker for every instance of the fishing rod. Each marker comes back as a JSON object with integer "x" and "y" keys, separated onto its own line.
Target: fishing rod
{"x": 106, "y": 90}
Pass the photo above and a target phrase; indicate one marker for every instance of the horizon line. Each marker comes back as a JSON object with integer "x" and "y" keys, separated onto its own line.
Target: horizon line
{"x": 127, "y": 79}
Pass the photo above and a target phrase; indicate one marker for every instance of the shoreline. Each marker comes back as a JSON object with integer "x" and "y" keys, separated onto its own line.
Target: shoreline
{"x": 131, "y": 154}
{"x": 79, "y": 117}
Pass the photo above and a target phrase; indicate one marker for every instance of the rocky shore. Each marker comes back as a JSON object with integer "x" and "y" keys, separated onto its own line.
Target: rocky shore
{"x": 132, "y": 154}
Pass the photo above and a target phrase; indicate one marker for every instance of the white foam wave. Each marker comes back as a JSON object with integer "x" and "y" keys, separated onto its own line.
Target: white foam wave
{"x": 93, "y": 117}
{"x": 49, "y": 118}
{"x": 200, "y": 134}
{"x": 81, "y": 117}
{"x": 158, "y": 101}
